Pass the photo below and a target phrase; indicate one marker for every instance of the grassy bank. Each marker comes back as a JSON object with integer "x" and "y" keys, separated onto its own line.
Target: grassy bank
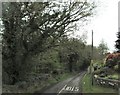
{"x": 38, "y": 85}
{"x": 87, "y": 88}
{"x": 53, "y": 80}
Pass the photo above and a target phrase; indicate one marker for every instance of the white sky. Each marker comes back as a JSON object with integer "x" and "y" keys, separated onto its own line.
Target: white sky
{"x": 105, "y": 23}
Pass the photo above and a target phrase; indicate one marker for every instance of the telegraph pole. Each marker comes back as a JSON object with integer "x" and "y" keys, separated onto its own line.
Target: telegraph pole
{"x": 92, "y": 45}
{"x": 91, "y": 68}
{"x": 92, "y": 60}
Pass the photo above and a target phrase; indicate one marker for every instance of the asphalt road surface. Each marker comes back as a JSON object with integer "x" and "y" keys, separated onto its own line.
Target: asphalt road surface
{"x": 70, "y": 85}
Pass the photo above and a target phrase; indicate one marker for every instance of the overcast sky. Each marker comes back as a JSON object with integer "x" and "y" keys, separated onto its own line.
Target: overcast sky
{"x": 105, "y": 23}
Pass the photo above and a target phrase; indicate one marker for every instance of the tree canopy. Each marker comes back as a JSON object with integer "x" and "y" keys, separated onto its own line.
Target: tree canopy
{"x": 31, "y": 28}
{"x": 103, "y": 48}
{"x": 117, "y": 45}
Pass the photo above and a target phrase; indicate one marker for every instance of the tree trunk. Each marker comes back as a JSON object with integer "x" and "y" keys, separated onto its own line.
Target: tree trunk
{"x": 21, "y": 66}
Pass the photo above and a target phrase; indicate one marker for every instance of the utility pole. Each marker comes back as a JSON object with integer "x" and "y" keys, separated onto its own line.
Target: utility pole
{"x": 92, "y": 60}
{"x": 91, "y": 68}
{"x": 92, "y": 45}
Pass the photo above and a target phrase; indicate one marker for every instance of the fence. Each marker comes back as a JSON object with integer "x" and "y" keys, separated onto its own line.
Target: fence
{"x": 106, "y": 82}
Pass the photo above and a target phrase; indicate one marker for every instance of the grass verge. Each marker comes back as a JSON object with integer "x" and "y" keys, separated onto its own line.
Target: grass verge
{"x": 87, "y": 88}
{"x": 37, "y": 86}
{"x": 54, "y": 80}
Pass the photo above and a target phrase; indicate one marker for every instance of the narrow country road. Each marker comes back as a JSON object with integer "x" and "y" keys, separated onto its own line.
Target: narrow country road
{"x": 70, "y": 85}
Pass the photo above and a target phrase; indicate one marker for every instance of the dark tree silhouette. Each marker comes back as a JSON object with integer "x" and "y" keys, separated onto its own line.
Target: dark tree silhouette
{"x": 32, "y": 28}
{"x": 117, "y": 45}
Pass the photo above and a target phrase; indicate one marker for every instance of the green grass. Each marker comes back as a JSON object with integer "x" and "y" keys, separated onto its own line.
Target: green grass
{"x": 88, "y": 88}
{"x": 59, "y": 78}
{"x": 53, "y": 80}
{"x": 113, "y": 76}
{"x": 66, "y": 75}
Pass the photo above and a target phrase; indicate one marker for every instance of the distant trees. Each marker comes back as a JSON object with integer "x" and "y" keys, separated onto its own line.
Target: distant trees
{"x": 103, "y": 49}
{"x": 31, "y": 28}
{"x": 74, "y": 54}
{"x": 117, "y": 45}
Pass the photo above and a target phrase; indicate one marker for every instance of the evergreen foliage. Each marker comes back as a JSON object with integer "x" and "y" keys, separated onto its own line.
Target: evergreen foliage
{"x": 117, "y": 45}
